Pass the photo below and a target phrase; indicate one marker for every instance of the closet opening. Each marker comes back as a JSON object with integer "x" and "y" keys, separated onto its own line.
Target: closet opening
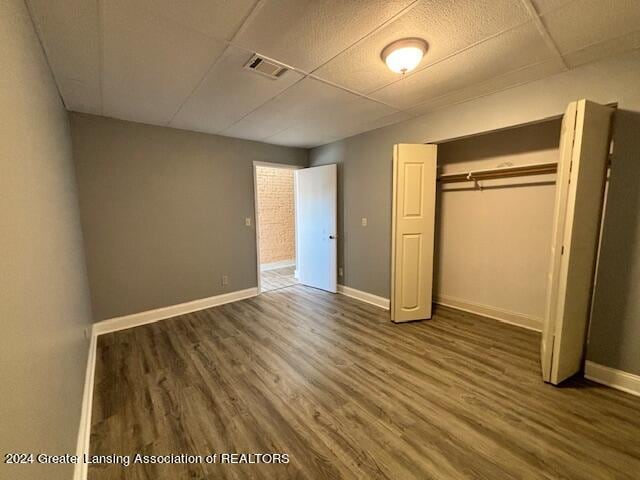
{"x": 518, "y": 226}
{"x": 494, "y": 225}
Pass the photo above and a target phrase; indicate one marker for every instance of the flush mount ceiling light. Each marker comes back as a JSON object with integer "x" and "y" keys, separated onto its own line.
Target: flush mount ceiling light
{"x": 404, "y": 55}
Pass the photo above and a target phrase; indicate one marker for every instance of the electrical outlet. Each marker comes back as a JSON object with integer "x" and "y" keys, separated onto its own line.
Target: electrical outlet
{"x": 225, "y": 280}
{"x": 340, "y": 271}
{"x": 247, "y": 221}
{"x": 364, "y": 221}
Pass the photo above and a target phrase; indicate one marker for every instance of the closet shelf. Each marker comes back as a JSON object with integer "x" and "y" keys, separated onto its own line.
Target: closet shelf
{"x": 500, "y": 172}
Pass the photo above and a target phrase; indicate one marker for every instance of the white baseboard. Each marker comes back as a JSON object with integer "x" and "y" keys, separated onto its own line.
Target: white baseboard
{"x": 513, "y": 318}
{"x": 150, "y": 316}
{"x": 275, "y": 265}
{"x": 618, "y": 379}
{"x": 84, "y": 432}
{"x": 364, "y": 296}
{"x": 505, "y": 316}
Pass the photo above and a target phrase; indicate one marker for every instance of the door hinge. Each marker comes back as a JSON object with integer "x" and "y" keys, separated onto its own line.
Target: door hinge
{"x": 562, "y": 250}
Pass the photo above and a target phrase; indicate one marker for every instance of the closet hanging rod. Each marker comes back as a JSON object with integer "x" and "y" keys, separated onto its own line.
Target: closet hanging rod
{"x": 500, "y": 172}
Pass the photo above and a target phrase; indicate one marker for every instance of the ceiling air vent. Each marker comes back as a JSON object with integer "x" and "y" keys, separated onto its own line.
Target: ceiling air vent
{"x": 265, "y": 67}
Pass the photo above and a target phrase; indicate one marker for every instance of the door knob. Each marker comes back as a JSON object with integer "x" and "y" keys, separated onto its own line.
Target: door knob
{"x": 332, "y": 237}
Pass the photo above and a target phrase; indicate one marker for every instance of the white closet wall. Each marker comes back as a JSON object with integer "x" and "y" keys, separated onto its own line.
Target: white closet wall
{"x": 492, "y": 245}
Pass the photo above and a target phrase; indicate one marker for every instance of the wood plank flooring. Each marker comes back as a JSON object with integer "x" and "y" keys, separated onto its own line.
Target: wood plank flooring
{"x": 347, "y": 394}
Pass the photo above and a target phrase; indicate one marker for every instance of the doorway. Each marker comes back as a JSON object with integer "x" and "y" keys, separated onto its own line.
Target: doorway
{"x": 275, "y": 225}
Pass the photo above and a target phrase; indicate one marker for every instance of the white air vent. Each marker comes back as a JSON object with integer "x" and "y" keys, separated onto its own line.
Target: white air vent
{"x": 265, "y": 67}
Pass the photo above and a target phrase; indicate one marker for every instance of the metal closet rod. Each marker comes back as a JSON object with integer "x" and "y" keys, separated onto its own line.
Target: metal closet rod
{"x": 500, "y": 172}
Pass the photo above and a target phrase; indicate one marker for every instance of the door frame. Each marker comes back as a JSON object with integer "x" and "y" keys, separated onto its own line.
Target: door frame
{"x": 256, "y": 216}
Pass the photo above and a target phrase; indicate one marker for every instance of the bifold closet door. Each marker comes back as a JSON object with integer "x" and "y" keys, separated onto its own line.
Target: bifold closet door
{"x": 582, "y": 168}
{"x": 414, "y": 198}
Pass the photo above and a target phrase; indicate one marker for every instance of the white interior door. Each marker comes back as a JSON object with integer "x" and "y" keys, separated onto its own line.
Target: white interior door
{"x": 316, "y": 219}
{"x": 578, "y": 211}
{"x": 414, "y": 200}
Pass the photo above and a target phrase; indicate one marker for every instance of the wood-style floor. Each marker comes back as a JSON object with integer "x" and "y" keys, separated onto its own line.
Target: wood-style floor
{"x": 277, "y": 278}
{"x": 347, "y": 394}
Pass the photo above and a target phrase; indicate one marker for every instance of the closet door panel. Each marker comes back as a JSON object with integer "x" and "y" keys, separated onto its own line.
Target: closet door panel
{"x": 567, "y": 135}
{"x": 573, "y": 283}
{"x": 411, "y": 260}
{"x": 582, "y": 231}
{"x": 413, "y": 228}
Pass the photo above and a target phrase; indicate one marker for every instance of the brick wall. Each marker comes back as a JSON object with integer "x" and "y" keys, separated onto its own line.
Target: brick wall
{"x": 276, "y": 214}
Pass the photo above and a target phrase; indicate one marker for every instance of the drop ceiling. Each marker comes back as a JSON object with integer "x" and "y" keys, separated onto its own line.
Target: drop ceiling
{"x": 179, "y": 63}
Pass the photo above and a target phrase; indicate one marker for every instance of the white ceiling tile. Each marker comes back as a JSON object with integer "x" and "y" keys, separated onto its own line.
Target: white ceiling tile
{"x": 341, "y": 121}
{"x": 344, "y": 117}
{"x": 301, "y": 137}
{"x": 70, "y": 35}
{"x": 502, "y": 82}
{"x": 512, "y": 50}
{"x": 544, "y": 6}
{"x": 307, "y": 33}
{"x": 216, "y": 18}
{"x": 302, "y": 100}
{"x": 587, "y": 22}
{"x": 447, "y": 26}
{"x": 372, "y": 124}
{"x": 608, "y": 48}
{"x": 311, "y": 112}
{"x": 150, "y": 64}
{"x": 228, "y": 93}
{"x": 155, "y": 56}
{"x": 260, "y": 124}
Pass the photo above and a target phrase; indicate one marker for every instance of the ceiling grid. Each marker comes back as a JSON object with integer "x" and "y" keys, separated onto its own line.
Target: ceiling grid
{"x": 535, "y": 15}
{"x": 164, "y": 63}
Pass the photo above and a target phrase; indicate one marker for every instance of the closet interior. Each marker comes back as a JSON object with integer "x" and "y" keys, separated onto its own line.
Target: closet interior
{"x": 517, "y": 226}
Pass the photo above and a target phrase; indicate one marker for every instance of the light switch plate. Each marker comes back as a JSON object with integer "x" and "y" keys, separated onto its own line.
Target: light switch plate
{"x": 340, "y": 271}
{"x": 247, "y": 221}
{"x": 364, "y": 221}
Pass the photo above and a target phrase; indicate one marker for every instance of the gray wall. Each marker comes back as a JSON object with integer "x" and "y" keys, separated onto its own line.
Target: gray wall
{"x": 365, "y": 190}
{"x": 163, "y": 212}
{"x": 614, "y": 338}
{"x": 44, "y": 299}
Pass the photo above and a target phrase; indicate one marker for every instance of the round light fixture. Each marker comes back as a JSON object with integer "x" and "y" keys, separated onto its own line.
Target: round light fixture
{"x": 404, "y": 55}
